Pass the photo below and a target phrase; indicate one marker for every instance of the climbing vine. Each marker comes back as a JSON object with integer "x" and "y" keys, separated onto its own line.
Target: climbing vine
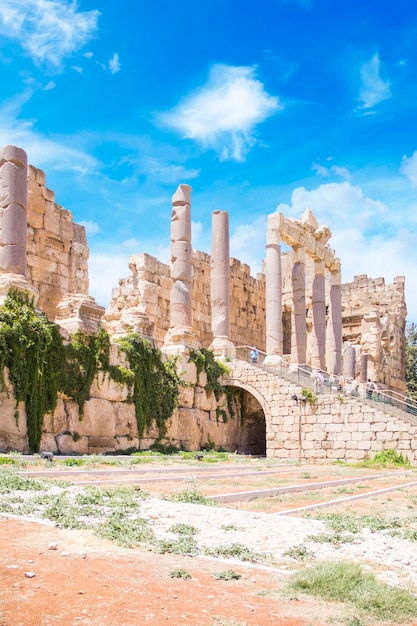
{"x": 85, "y": 355}
{"x": 155, "y": 384}
{"x": 41, "y": 365}
{"x": 205, "y": 362}
{"x": 32, "y": 350}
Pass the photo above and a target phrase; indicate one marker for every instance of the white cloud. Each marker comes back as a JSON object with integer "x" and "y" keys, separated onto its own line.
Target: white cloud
{"x": 91, "y": 228}
{"x": 224, "y": 113}
{"x": 337, "y": 203}
{"x": 334, "y": 170}
{"x": 42, "y": 151}
{"x": 166, "y": 172}
{"x": 373, "y": 88}
{"x": 114, "y": 64}
{"x": 409, "y": 168}
{"x": 48, "y": 30}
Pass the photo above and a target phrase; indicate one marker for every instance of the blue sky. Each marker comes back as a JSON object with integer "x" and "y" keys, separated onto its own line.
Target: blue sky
{"x": 282, "y": 104}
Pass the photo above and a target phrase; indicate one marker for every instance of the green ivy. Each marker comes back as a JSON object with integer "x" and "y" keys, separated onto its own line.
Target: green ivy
{"x": 155, "y": 384}
{"x": 205, "y": 362}
{"x": 85, "y": 355}
{"x": 31, "y": 348}
{"x": 40, "y": 366}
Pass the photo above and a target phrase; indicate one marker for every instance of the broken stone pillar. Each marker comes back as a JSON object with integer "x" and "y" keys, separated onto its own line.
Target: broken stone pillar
{"x": 220, "y": 285}
{"x": 364, "y": 368}
{"x": 180, "y": 335}
{"x": 349, "y": 362}
{"x": 298, "y": 316}
{"x": 318, "y": 338}
{"x": 335, "y": 324}
{"x": 13, "y": 221}
{"x": 273, "y": 291}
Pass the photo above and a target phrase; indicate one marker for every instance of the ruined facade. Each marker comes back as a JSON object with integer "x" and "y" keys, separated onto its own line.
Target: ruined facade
{"x": 296, "y": 309}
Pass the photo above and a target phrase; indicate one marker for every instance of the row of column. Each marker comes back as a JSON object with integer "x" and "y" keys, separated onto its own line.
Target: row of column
{"x": 181, "y": 294}
{"x": 320, "y": 344}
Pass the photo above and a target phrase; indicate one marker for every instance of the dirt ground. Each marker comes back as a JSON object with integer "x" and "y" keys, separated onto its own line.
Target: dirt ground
{"x": 89, "y": 581}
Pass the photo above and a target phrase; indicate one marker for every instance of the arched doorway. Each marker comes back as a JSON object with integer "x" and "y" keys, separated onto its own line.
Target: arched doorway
{"x": 250, "y": 422}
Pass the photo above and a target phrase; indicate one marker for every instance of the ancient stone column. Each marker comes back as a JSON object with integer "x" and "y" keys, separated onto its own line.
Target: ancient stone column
{"x": 298, "y": 315}
{"x": 273, "y": 291}
{"x": 318, "y": 337}
{"x": 180, "y": 332}
{"x": 335, "y": 324}
{"x": 364, "y": 368}
{"x": 349, "y": 361}
{"x": 13, "y": 221}
{"x": 13, "y": 207}
{"x": 220, "y": 284}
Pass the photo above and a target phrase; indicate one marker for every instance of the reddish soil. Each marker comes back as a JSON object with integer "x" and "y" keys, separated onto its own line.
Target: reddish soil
{"x": 89, "y": 581}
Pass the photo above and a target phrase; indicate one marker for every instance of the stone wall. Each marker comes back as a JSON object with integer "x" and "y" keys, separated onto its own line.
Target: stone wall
{"x": 338, "y": 427}
{"x": 373, "y": 313}
{"x": 57, "y": 251}
{"x": 141, "y": 302}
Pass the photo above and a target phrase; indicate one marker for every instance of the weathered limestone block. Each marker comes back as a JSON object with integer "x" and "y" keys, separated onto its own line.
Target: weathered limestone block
{"x": 125, "y": 419}
{"x": 107, "y": 389}
{"x": 203, "y": 400}
{"x": 66, "y": 444}
{"x": 99, "y": 419}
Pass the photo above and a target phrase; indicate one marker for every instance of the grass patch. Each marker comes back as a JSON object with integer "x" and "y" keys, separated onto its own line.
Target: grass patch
{"x": 300, "y": 553}
{"x": 237, "y": 551}
{"x": 346, "y": 522}
{"x": 342, "y": 581}
{"x": 183, "y": 529}
{"x": 192, "y": 496}
{"x": 227, "y": 574}
{"x": 183, "y": 545}
{"x": 180, "y": 573}
{"x": 124, "y": 531}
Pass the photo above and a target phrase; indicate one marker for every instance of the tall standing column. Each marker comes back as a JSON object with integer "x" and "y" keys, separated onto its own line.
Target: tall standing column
{"x": 13, "y": 208}
{"x": 318, "y": 338}
{"x": 298, "y": 315}
{"x": 273, "y": 290}
{"x": 180, "y": 332}
{"x": 220, "y": 284}
{"x": 335, "y": 323}
{"x": 13, "y": 221}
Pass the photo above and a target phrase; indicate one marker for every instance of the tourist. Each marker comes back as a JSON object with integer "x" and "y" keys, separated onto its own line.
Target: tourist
{"x": 319, "y": 382}
{"x": 370, "y": 387}
{"x": 254, "y": 355}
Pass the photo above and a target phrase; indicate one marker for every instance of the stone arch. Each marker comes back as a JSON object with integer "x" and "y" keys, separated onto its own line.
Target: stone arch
{"x": 262, "y": 402}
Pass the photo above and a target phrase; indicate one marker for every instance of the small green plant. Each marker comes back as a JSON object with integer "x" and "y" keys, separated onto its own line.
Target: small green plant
{"x": 229, "y": 527}
{"x": 300, "y": 553}
{"x": 227, "y": 574}
{"x": 237, "y": 551}
{"x": 73, "y": 461}
{"x": 180, "y": 573}
{"x": 4, "y": 460}
{"x": 183, "y": 529}
{"x": 183, "y": 545}
{"x": 309, "y": 396}
{"x": 192, "y": 496}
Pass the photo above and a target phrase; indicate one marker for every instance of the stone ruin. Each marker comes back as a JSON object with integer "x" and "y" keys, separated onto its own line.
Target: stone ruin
{"x": 296, "y": 309}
